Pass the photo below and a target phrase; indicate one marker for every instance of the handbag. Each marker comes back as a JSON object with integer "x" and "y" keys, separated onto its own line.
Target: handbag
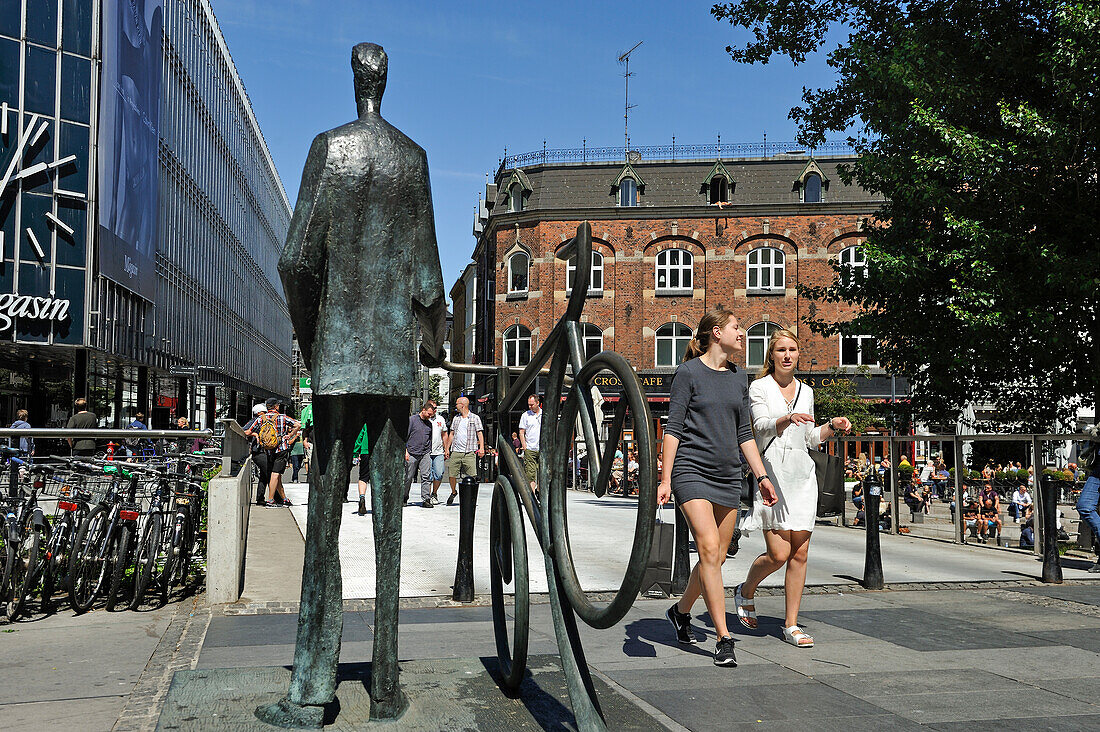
{"x": 830, "y": 483}
{"x": 657, "y": 579}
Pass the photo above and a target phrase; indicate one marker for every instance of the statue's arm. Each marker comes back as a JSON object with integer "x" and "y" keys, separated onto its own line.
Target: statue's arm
{"x": 305, "y": 256}
{"x": 429, "y": 299}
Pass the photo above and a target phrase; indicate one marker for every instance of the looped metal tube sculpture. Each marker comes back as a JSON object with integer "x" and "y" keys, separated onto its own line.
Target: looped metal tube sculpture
{"x": 513, "y": 496}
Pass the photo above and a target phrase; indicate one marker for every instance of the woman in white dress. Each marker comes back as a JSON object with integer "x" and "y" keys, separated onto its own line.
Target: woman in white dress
{"x": 783, "y": 419}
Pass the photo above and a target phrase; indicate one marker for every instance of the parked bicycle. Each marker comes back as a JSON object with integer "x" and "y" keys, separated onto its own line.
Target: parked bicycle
{"x": 26, "y": 533}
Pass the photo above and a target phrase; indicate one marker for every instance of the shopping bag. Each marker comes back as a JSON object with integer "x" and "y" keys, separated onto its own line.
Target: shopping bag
{"x": 657, "y": 580}
{"x": 830, "y": 483}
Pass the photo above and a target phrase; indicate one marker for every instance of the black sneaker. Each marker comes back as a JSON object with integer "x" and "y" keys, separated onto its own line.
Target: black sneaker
{"x": 426, "y": 504}
{"x": 723, "y": 652}
{"x": 362, "y": 506}
{"x": 1095, "y": 569}
{"x": 681, "y": 622}
{"x": 735, "y": 545}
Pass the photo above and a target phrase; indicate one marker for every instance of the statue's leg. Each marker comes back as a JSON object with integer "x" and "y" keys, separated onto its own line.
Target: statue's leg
{"x": 337, "y": 421}
{"x": 387, "y": 430}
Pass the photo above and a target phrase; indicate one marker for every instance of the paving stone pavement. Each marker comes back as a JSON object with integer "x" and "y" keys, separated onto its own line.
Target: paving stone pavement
{"x": 902, "y": 659}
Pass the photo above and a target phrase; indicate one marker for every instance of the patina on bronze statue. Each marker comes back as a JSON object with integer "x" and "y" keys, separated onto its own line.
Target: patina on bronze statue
{"x": 361, "y": 272}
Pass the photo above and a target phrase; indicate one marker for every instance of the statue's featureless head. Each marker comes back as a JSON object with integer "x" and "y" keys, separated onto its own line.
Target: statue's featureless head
{"x": 368, "y": 66}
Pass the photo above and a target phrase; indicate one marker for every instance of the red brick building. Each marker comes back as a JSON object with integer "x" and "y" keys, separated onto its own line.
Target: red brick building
{"x": 672, "y": 238}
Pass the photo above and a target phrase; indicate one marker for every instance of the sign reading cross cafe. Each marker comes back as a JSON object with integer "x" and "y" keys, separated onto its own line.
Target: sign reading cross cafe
{"x": 305, "y": 385}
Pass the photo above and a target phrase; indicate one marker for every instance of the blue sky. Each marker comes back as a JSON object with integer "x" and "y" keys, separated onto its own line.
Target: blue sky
{"x": 467, "y": 80}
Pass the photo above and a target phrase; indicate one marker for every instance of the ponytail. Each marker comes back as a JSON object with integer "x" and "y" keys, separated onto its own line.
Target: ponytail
{"x": 716, "y": 317}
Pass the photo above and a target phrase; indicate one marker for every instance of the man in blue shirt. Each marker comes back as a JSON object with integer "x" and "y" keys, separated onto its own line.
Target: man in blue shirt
{"x": 134, "y": 445}
{"x": 26, "y": 444}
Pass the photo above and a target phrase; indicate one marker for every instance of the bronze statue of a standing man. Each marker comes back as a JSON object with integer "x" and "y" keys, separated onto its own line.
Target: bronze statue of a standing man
{"x": 360, "y": 270}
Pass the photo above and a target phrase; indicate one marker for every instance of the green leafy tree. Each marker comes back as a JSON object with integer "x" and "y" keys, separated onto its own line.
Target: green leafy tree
{"x": 839, "y": 398}
{"x": 979, "y": 123}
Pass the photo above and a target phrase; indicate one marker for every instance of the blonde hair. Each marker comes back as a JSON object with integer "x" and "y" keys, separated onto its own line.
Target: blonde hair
{"x": 769, "y": 361}
{"x": 716, "y": 317}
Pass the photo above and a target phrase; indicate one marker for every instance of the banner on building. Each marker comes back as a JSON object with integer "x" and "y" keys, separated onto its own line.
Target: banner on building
{"x": 129, "y": 129}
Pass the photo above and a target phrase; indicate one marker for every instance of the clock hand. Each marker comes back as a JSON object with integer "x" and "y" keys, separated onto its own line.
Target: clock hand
{"x": 39, "y": 167}
{"x": 18, "y": 153}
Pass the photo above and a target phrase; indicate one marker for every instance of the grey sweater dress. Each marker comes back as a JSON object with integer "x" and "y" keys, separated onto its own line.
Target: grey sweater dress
{"x": 709, "y": 411}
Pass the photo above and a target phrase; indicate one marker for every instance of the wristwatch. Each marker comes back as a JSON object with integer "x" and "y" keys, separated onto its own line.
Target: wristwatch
{"x": 762, "y": 477}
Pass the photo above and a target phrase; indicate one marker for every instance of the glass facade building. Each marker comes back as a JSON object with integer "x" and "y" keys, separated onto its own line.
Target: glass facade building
{"x": 204, "y": 328}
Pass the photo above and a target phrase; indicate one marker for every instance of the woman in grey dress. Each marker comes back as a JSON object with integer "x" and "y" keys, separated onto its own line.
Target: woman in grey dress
{"x": 709, "y": 431}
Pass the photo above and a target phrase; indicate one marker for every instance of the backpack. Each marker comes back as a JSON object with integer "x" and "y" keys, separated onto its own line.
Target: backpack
{"x": 268, "y": 433}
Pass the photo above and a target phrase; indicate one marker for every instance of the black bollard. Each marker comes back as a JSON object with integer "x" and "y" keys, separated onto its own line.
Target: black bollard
{"x": 464, "y": 570}
{"x": 681, "y": 560}
{"x": 1052, "y": 566}
{"x": 872, "y": 564}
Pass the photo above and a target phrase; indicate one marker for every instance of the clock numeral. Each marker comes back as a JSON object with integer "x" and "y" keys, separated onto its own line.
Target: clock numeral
{"x": 59, "y": 223}
{"x": 37, "y": 247}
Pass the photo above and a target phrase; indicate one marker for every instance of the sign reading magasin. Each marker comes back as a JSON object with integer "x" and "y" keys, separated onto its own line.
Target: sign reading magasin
{"x": 29, "y": 307}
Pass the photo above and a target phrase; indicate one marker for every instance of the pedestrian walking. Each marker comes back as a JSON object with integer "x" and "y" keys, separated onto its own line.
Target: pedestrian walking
{"x": 708, "y": 437}
{"x": 297, "y": 454}
{"x": 441, "y": 441}
{"x": 783, "y": 418}
{"x": 1089, "y": 499}
{"x": 530, "y": 431}
{"x": 466, "y": 446}
{"x": 83, "y": 419}
{"x": 274, "y": 432}
{"x": 26, "y": 444}
{"x": 418, "y": 461}
{"x": 362, "y": 449}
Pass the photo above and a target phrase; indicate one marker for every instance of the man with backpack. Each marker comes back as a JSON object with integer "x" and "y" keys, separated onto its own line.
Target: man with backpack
{"x": 274, "y": 432}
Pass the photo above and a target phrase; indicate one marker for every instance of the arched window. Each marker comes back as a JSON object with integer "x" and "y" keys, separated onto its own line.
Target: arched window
{"x": 518, "y": 266}
{"x": 766, "y": 272}
{"x": 672, "y": 341}
{"x": 861, "y": 350}
{"x": 719, "y": 189}
{"x": 628, "y": 192}
{"x": 853, "y": 264}
{"x": 517, "y": 346}
{"x": 591, "y": 340}
{"x": 757, "y": 345}
{"x": 674, "y": 270}
{"x": 515, "y": 198}
{"x": 811, "y": 189}
{"x": 595, "y": 280}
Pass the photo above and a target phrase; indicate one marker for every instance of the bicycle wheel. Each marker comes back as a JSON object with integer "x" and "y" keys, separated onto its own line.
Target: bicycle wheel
{"x": 57, "y": 558}
{"x": 146, "y": 557}
{"x": 119, "y": 558}
{"x": 508, "y": 562}
{"x": 86, "y": 569}
{"x": 632, "y": 402}
{"x": 23, "y": 574}
{"x": 173, "y": 557}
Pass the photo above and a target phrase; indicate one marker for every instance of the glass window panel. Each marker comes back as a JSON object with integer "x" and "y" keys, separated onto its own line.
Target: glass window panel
{"x": 681, "y": 349}
{"x": 11, "y": 12}
{"x": 754, "y": 277}
{"x": 70, "y": 249}
{"x": 849, "y": 351}
{"x": 664, "y": 352}
{"x": 42, "y": 22}
{"x": 868, "y": 350}
{"x": 74, "y": 141}
{"x": 812, "y": 188}
{"x": 41, "y": 73}
{"x": 34, "y": 208}
{"x": 76, "y": 26}
{"x": 662, "y": 279}
{"x": 756, "y": 352}
{"x": 524, "y": 352}
{"x": 765, "y": 256}
{"x": 76, "y": 82}
{"x": 33, "y": 280}
{"x": 9, "y": 76}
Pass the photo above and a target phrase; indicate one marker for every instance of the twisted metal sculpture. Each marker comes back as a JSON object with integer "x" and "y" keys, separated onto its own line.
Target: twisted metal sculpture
{"x": 547, "y": 509}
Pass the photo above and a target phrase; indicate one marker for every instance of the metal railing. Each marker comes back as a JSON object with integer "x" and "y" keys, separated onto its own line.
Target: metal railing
{"x": 1035, "y": 440}
{"x": 674, "y": 151}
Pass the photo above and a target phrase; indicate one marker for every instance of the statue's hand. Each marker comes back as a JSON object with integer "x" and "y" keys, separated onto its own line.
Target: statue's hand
{"x": 432, "y": 361}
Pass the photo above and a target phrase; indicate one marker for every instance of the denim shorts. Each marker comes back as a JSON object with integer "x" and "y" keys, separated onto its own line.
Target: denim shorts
{"x": 439, "y": 467}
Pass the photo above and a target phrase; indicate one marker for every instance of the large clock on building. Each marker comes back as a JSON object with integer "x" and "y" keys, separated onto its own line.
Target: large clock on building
{"x": 24, "y": 169}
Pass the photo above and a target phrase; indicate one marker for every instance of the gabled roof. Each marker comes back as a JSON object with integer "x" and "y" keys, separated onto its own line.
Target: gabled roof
{"x": 811, "y": 167}
{"x": 628, "y": 172}
{"x": 717, "y": 170}
{"x": 518, "y": 176}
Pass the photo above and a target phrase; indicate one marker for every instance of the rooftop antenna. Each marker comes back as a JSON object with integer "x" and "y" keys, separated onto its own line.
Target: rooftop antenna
{"x": 627, "y": 106}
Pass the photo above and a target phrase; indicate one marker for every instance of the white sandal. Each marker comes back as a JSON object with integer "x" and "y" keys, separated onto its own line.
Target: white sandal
{"x": 746, "y": 616}
{"x": 798, "y": 637}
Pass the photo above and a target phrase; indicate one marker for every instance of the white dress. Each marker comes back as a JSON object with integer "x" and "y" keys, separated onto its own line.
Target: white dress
{"x": 787, "y": 459}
